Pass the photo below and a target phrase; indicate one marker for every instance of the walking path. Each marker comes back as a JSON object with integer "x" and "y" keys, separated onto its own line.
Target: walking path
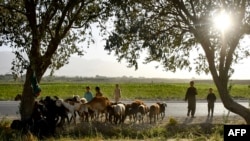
{"x": 175, "y": 109}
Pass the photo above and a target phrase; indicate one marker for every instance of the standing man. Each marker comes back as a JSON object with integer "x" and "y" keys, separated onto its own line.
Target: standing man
{"x": 88, "y": 95}
{"x": 191, "y": 98}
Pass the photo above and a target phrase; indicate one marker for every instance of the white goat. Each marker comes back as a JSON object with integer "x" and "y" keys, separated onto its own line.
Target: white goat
{"x": 71, "y": 106}
{"x": 83, "y": 100}
{"x": 119, "y": 112}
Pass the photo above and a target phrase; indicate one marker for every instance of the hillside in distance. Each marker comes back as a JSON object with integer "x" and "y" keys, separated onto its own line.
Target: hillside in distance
{"x": 6, "y": 58}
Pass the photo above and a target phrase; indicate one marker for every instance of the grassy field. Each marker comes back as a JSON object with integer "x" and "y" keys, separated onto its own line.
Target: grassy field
{"x": 134, "y": 90}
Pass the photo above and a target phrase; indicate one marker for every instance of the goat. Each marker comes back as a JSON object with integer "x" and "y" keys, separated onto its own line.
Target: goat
{"x": 72, "y": 107}
{"x": 18, "y": 97}
{"x": 154, "y": 111}
{"x": 142, "y": 111}
{"x": 54, "y": 113}
{"x": 83, "y": 100}
{"x": 85, "y": 112}
{"x": 117, "y": 111}
{"x": 133, "y": 109}
{"x": 163, "y": 106}
{"x": 38, "y": 124}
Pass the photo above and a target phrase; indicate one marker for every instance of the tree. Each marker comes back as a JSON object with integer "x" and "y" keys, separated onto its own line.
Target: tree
{"x": 44, "y": 34}
{"x": 171, "y": 30}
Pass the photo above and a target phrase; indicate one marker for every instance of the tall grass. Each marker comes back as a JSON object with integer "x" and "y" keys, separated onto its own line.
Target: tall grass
{"x": 127, "y": 132}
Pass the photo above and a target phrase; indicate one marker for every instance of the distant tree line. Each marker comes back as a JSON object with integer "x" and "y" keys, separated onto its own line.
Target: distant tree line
{"x": 106, "y": 79}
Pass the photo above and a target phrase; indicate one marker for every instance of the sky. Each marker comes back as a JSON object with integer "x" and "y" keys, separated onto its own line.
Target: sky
{"x": 97, "y": 62}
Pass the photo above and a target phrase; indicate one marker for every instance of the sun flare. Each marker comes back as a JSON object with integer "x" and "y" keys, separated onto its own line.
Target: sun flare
{"x": 222, "y": 21}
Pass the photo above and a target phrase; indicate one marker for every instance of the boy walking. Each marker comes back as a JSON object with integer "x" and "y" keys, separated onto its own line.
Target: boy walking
{"x": 211, "y": 98}
{"x": 191, "y": 98}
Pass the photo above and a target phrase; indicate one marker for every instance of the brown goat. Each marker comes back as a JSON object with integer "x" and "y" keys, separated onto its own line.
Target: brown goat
{"x": 154, "y": 111}
{"x": 142, "y": 111}
{"x": 133, "y": 108}
{"x": 162, "y": 109}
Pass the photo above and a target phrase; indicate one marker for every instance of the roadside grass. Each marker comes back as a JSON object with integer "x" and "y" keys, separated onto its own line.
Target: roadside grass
{"x": 130, "y": 91}
{"x": 103, "y": 131}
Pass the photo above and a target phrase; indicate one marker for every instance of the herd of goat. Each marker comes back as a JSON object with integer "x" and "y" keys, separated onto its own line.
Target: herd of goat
{"x": 55, "y": 112}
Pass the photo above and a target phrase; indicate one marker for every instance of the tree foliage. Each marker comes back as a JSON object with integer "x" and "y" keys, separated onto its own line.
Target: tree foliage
{"x": 174, "y": 31}
{"x": 45, "y": 33}
{"x": 50, "y": 31}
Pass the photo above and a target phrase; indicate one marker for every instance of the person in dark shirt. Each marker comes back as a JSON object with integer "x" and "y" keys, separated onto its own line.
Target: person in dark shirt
{"x": 98, "y": 91}
{"x": 211, "y": 98}
{"x": 191, "y": 98}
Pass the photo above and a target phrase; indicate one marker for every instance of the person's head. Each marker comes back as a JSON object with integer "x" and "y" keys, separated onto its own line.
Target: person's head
{"x": 97, "y": 89}
{"x": 116, "y": 85}
{"x": 191, "y": 83}
{"x": 87, "y": 88}
{"x": 210, "y": 90}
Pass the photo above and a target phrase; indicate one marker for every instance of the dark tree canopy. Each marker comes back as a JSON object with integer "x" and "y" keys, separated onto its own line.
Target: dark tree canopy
{"x": 171, "y": 30}
{"x": 48, "y": 30}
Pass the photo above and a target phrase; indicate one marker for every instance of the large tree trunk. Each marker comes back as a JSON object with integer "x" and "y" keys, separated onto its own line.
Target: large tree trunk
{"x": 28, "y": 99}
{"x": 28, "y": 96}
{"x": 229, "y": 103}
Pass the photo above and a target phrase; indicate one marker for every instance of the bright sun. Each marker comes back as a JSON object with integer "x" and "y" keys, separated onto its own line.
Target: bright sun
{"x": 222, "y": 21}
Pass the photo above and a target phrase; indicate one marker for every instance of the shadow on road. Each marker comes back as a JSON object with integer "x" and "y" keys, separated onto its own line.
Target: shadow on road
{"x": 187, "y": 120}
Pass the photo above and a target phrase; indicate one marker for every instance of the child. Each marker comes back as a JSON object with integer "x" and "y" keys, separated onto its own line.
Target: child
{"x": 210, "y": 100}
{"x": 191, "y": 98}
{"x": 117, "y": 93}
{"x": 98, "y": 91}
{"x": 88, "y": 95}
